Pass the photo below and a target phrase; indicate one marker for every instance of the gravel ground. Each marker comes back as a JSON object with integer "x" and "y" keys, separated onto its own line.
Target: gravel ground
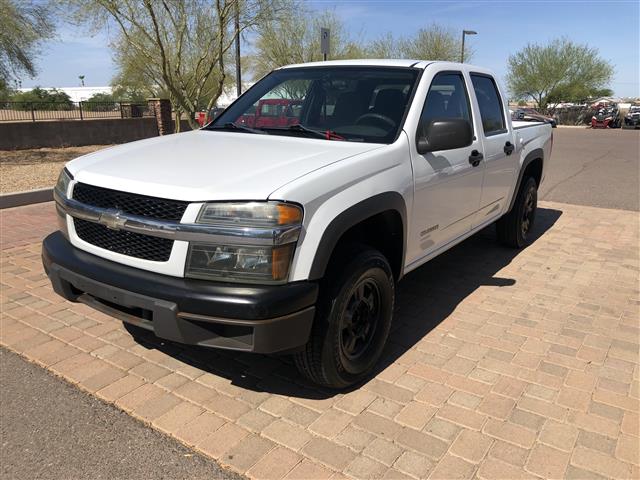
{"x": 36, "y": 168}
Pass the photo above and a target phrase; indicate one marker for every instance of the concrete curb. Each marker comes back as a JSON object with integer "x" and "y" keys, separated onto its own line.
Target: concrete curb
{"x": 17, "y": 199}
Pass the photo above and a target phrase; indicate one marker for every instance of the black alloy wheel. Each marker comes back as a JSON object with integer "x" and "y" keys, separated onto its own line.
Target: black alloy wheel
{"x": 514, "y": 228}
{"x": 353, "y": 319}
{"x": 359, "y": 320}
{"x": 528, "y": 212}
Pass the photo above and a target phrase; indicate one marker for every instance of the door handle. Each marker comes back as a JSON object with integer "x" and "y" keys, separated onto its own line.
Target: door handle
{"x": 475, "y": 157}
{"x": 508, "y": 148}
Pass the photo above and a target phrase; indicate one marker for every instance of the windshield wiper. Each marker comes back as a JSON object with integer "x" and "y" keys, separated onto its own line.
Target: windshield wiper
{"x": 235, "y": 126}
{"x": 327, "y": 134}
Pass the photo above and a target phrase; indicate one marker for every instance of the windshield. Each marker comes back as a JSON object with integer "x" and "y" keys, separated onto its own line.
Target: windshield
{"x": 363, "y": 104}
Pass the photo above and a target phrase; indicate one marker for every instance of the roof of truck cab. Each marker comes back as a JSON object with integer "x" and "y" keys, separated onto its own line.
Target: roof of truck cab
{"x": 368, "y": 62}
{"x": 399, "y": 63}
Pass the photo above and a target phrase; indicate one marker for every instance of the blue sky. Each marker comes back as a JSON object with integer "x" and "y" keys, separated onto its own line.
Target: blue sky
{"x": 503, "y": 28}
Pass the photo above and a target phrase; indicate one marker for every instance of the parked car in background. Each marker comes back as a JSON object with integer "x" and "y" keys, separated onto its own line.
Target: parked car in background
{"x": 206, "y": 117}
{"x": 527, "y": 114}
{"x": 606, "y": 117}
{"x": 284, "y": 225}
{"x": 632, "y": 118}
{"x": 272, "y": 112}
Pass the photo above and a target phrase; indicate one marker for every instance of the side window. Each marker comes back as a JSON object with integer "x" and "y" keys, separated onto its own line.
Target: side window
{"x": 490, "y": 104}
{"x": 447, "y": 98}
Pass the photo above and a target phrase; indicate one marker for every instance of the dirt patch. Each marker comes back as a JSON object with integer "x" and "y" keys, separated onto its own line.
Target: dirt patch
{"x": 36, "y": 168}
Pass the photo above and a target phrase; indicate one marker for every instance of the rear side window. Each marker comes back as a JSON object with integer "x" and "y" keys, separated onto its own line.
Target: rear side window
{"x": 489, "y": 103}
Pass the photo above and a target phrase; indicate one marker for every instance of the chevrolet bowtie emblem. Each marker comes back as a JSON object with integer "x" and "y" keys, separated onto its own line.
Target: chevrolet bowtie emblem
{"x": 112, "y": 220}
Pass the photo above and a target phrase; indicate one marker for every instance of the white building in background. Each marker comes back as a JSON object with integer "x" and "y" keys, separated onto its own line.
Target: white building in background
{"x": 77, "y": 94}
{"x": 229, "y": 94}
{"x": 81, "y": 94}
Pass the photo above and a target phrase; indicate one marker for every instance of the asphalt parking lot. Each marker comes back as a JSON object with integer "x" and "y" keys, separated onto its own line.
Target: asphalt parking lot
{"x": 502, "y": 363}
{"x": 599, "y": 168}
{"x": 51, "y": 430}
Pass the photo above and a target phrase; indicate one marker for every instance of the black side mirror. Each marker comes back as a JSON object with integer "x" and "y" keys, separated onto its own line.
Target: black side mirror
{"x": 444, "y": 134}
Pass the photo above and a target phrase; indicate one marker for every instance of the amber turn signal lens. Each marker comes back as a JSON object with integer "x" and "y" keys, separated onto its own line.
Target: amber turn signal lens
{"x": 289, "y": 214}
{"x": 280, "y": 261}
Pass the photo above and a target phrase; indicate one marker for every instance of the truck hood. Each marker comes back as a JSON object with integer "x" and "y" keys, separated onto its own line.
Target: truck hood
{"x": 210, "y": 165}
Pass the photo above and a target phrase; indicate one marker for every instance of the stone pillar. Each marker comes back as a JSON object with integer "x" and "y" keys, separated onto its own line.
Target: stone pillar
{"x": 161, "y": 108}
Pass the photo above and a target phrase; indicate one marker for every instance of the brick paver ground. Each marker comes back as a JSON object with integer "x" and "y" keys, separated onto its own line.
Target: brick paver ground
{"x": 501, "y": 364}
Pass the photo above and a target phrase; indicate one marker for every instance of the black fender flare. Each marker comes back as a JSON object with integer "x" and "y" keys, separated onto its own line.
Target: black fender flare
{"x": 350, "y": 217}
{"x": 535, "y": 154}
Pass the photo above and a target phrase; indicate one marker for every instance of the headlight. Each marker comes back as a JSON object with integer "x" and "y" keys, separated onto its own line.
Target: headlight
{"x": 262, "y": 240}
{"x": 64, "y": 179}
{"x": 250, "y": 214}
{"x": 62, "y": 186}
{"x": 240, "y": 263}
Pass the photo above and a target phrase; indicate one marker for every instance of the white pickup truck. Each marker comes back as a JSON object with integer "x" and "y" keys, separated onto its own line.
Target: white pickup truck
{"x": 288, "y": 233}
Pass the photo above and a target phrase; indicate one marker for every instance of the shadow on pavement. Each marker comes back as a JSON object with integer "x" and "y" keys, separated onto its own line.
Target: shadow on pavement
{"x": 424, "y": 298}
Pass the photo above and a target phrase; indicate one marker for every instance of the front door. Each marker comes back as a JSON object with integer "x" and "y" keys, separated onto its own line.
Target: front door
{"x": 448, "y": 183}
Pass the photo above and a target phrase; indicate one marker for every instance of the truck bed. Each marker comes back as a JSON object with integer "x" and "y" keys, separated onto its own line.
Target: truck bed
{"x": 520, "y": 124}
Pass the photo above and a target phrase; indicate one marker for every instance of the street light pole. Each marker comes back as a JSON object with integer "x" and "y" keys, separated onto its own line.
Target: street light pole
{"x": 465, "y": 32}
{"x": 237, "y": 40}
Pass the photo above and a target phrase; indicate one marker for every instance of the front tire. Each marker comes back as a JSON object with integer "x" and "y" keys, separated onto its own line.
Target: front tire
{"x": 514, "y": 229}
{"x": 352, "y": 323}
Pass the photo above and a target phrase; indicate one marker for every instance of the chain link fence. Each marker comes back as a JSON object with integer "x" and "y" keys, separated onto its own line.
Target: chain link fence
{"x": 574, "y": 115}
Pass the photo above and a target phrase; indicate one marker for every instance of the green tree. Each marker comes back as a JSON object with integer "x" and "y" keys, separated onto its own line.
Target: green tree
{"x": 177, "y": 46}
{"x": 130, "y": 92}
{"x": 293, "y": 36}
{"x": 135, "y": 79}
{"x": 434, "y": 43}
{"x": 100, "y": 102}
{"x": 385, "y": 46}
{"x": 24, "y": 24}
{"x": 559, "y": 71}
{"x": 102, "y": 98}
{"x": 5, "y": 92}
{"x": 42, "y": 99}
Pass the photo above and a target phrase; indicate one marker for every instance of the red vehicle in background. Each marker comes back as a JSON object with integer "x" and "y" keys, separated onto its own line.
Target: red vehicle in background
{"x": 606, "y": 117}
{"x": 273, "y": 112}
{"x": 205, "y": 117}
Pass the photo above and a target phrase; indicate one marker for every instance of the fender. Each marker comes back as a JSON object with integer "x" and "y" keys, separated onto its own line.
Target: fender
{"x": 353, "y": 215}
{"x": 531, "y": 156}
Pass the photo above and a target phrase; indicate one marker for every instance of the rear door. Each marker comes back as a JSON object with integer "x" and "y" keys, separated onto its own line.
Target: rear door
{"x": 447, "y": 183}
{"x": 498, "y": 149}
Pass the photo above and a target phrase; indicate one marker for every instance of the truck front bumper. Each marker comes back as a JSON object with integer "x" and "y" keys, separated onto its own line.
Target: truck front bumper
{"x": 255, "y": 318}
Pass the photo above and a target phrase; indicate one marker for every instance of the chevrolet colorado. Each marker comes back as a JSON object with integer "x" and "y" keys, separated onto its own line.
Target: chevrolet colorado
{"x": 291, "y": 238}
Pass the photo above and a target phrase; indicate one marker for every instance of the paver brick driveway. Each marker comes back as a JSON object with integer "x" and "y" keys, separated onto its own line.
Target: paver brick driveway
{"x": 501, "y": 364}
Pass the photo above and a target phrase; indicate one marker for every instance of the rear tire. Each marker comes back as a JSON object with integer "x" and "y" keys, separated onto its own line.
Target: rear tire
{"x": 514, "y": 229}
{"x": 352, "y": 321}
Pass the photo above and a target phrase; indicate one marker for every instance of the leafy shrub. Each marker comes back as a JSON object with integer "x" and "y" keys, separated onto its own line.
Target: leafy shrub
{"x": 100, "y": 102}
{"x": 41, "y": 99}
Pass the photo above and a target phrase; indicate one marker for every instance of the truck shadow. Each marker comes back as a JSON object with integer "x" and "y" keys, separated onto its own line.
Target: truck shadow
{"x": 424, "y": 298}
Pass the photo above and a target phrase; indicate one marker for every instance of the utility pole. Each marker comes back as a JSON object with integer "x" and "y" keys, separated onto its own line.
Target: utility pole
{"x": 465, "y": 32}
{"x": 238, "y": 66}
